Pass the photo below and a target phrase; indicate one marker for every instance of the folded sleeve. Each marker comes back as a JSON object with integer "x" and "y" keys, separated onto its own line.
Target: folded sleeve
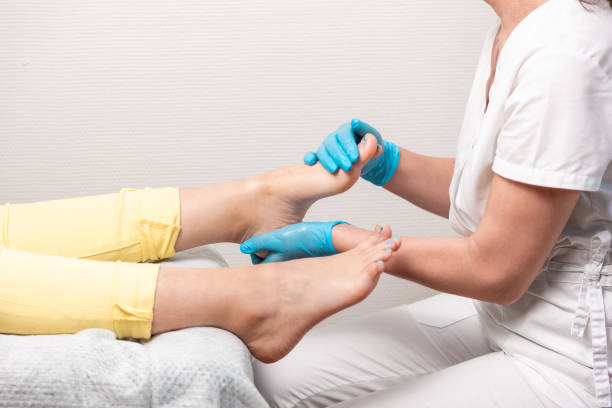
{"x": 557, "y": 129}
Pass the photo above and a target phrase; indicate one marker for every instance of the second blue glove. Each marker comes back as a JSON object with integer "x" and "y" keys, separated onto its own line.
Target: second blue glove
{"x": 306, "y": 239}
{"x": 339, "y": 150}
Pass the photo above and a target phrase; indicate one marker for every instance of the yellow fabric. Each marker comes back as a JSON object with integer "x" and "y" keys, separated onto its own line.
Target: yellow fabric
{"x": 132, "y": 226}
{"x": 45, "y": 289}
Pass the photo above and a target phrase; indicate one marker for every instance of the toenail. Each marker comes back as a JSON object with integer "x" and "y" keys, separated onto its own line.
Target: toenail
{"x": 381, "y": 229}
{"x": 378, "y": 262}
{"x": 390, "y": 241}
{"x": 387, "y": 250}
{"x": 395, "y": 237}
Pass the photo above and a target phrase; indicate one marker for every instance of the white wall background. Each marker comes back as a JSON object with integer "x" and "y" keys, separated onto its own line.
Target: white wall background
{"x": 98, "y": 95}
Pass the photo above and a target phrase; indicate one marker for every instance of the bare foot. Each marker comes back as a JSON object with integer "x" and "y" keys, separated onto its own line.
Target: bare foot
{"x": 291, "y": 297}
{"x": 287, "y": 193}
{"x": 346, "y": 237}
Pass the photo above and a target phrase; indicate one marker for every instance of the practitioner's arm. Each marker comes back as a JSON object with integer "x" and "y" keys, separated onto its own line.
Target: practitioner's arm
{"x": 500, "y": 260}
{"x": 424, "y": 181}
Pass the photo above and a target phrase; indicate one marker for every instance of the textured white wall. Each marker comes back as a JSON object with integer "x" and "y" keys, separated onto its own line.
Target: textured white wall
{"x": 99, "y": 95}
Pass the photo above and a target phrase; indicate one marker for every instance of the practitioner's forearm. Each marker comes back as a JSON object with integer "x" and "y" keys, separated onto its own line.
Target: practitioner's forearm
{"x": 424, "y": 181}
{"x": 453, "y": 265}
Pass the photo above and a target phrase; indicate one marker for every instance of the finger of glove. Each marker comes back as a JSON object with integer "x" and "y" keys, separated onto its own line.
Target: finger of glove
{"x": 332, "y": 145}
{"x": 310, "y": 158}
{"x": 259, "y": 243}
{"x": 326, "y": 160}
{"x": 349, "y": 145}
{"x": 276, "y": 257}
{"x": 362, "y": 129}
{"x": 256, "y": 260}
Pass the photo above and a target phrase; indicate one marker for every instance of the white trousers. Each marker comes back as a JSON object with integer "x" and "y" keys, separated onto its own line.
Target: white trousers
{"x": 432, "y": 353}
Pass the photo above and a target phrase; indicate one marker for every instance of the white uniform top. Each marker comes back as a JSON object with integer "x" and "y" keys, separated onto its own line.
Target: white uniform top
{"x": 549, "y": 123}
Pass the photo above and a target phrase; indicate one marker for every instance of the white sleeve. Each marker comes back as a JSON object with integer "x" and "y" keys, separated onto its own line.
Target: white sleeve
{"x": 557, "y": 129}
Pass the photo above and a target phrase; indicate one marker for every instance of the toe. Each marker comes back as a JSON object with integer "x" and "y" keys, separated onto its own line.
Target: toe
{"x": 385, "y": 230}
{"x": 384, "y": 250}
{"x": 394, "y": 243}
{"x": 367, "y": 150}
{"x": 374, "y": 269}
{"x": 391, "y": 243}
{"x": 383, "y": 254}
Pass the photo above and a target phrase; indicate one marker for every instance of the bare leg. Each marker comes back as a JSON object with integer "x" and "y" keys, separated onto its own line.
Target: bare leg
{"x": 270, "y": 306}
{"x": 233, "y": 212}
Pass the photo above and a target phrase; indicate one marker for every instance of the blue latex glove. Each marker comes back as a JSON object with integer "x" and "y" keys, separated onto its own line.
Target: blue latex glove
{"x": 339, "y": 150}
{"x": 295, "y": 241}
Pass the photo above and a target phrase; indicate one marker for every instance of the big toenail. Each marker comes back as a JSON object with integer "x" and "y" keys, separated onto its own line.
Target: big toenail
{"x": 390, "y": 241}
{"x": 378, "y": 263}
{"x": 387, "y": 250}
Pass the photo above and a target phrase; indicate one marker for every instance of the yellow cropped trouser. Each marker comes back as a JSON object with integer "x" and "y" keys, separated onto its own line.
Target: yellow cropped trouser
{"x": 69, "y": 265}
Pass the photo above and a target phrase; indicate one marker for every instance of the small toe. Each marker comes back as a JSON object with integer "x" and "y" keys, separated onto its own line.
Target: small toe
{"x": 394, "y": 243}
{"x": 384, "y": 254}
{"x": 374, "y": 269}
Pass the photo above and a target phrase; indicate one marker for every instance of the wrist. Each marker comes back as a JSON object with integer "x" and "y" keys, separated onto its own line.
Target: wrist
{"x": 382, "y": 168}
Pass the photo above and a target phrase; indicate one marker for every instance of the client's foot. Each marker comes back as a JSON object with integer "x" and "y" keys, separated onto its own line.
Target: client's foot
{"x": 287, "y": 299}
{"x": 346, "y": 237}
{"x": 286, "y": 194}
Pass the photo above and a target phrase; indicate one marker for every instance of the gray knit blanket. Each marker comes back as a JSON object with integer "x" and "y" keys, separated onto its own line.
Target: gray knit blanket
{"x": 197, "y": 367}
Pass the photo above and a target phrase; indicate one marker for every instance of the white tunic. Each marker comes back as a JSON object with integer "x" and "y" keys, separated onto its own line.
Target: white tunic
{"x": 549, "y": 123}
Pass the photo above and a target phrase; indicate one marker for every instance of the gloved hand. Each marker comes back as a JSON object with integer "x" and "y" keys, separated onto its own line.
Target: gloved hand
{"x": 292, "y": 242}
{"x": 339, "y": 149}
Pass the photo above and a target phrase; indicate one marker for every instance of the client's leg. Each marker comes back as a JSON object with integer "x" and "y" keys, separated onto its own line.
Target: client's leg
{"x": 270, "y": 307}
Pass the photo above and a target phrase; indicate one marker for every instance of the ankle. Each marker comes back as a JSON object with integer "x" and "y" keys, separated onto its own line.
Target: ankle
{"x": 255, "y": 301}
{"x": 250, "y": 194}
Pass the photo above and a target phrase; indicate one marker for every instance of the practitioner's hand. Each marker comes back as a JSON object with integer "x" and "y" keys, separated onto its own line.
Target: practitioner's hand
{"x": 295, "y": 241}
{"x": 339, "y": 150}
